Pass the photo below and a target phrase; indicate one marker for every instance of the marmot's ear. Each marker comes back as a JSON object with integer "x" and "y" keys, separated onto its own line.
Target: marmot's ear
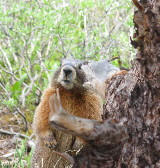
{"x": 79, "y": 65}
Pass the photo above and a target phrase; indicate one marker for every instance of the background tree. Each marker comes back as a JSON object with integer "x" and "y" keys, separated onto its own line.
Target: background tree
{"x": 34, "y": 36}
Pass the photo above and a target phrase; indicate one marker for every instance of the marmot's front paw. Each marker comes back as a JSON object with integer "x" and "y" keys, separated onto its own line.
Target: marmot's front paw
{"x": 50, "y": 143}
{"x": 49, "y": 140}
{"x": 89, "y": 86}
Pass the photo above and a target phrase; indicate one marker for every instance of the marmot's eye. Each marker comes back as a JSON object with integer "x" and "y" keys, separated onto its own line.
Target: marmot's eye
{"x": 79, "y": 66}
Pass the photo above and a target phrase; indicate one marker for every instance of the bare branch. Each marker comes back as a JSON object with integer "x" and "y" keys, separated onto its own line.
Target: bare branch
{"x": 13, "y": 134}
{"x": 24, "y": 118}
{"x": 7, "y": 93}
{"x": 6, "y": 58}
{"x": 88, "y": 129}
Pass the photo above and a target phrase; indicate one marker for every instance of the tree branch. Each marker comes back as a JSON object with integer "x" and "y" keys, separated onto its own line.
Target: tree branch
{"x": 13, "y": 134}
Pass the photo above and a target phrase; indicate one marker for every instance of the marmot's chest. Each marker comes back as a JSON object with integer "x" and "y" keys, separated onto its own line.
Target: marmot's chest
{"x": 73, "y": 103}
{"x": 85, "y": 105}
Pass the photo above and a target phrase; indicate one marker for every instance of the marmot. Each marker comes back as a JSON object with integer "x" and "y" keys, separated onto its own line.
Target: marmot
{"x": 76, "y": 100}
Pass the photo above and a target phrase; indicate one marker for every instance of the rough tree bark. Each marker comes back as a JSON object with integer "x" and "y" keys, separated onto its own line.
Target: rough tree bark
{"x": 133, "y": 100}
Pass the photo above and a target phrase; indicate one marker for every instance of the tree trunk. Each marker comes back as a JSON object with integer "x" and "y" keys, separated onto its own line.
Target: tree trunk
{"x": 134, "y": 99}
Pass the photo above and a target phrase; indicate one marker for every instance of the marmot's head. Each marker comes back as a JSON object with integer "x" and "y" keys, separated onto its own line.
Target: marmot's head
{"x": 70, "y": 75}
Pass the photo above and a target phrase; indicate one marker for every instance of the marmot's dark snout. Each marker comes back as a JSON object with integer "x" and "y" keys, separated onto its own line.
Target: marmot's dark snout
{"x": 67, "y": 77}
{"x": 67, "y": 71}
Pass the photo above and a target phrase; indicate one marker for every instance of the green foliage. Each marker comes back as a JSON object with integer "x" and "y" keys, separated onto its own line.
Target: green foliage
{"x": 35, "y": 35}
{"x": 22, "y": 159}
{"x": 22, "y": 155}
{"x": 9, "y": 103}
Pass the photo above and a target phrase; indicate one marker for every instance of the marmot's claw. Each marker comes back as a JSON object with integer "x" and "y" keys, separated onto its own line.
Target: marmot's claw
{"x": 50, "y": 143}
{"x": 88, "y": 86}
{"x": 49, "y": 139}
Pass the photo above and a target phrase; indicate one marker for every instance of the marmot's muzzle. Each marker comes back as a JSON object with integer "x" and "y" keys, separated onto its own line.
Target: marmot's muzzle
{"x": 68, "y": 72}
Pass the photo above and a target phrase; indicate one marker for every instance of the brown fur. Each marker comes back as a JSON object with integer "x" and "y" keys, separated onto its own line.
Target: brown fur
{"x": 78, "y": 102}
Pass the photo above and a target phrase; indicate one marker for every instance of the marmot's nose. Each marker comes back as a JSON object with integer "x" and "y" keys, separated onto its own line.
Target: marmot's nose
{"x": 67, "y": 71}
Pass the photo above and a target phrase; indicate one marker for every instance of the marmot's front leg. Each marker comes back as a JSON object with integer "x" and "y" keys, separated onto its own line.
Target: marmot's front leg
{"x": 48, "y": 139}
{"x": 41, "y": 120}
{"x": 96, "y": 86}
{"x": 57, "y": 111}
